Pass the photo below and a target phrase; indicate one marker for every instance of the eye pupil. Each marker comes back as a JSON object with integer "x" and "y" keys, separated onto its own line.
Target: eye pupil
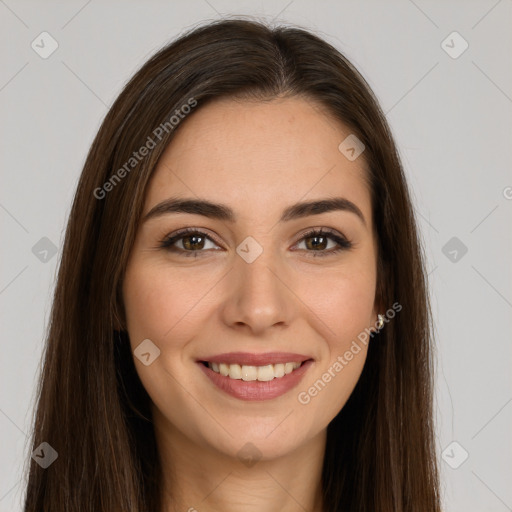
{"x": 316, "y": 244}
{"x": 188, "y": 245}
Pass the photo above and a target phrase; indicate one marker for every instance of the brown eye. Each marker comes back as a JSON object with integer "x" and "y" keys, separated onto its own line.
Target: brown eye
{"x": 324, "y": 243}
{"x": 316, "y": 242}
{"x": 188, "y": 242}
{"x": 193, "y": 242}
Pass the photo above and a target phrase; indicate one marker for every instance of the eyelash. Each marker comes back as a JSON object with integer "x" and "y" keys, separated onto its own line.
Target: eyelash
{"x": 343, "y": 243}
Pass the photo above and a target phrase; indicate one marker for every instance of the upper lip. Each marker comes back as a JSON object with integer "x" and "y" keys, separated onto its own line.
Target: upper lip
{"x": 248, "y": 359}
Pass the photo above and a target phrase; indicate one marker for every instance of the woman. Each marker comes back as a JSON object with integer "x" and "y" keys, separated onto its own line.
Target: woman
{"x": 241, "y": 319}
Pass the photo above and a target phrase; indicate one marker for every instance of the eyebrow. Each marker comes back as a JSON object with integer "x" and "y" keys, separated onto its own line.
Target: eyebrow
{"x": 225, "y": 213}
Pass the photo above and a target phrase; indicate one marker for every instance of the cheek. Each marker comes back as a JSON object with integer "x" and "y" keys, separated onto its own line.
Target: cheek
{"x": 157, "y": 302}
{"x": 350, "y": 311}
{"x": 160, "y": 306}
{"x": 343, "y": 306}
{"x": 343, "y": 302}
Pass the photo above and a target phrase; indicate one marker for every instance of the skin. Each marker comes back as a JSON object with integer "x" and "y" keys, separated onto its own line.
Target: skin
{"x": 257, "y": 158}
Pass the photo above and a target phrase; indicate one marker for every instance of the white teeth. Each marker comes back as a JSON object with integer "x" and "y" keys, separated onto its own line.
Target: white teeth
{"x": 235, "y": 371}
{"x": 288, "y": 368}
{"x": 265, "y": 372}
{"x": 251, "y": 373}
{"x": 279, "y": 370}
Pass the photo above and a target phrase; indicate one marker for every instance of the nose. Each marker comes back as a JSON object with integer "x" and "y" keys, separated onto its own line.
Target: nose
{"x": 258, "y": 298}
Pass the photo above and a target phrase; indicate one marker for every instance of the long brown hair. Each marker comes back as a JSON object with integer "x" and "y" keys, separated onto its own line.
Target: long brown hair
{"x": 91, "y": 406}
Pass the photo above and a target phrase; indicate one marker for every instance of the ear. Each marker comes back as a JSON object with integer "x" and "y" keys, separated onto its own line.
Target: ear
{"x": 377, "y": 309}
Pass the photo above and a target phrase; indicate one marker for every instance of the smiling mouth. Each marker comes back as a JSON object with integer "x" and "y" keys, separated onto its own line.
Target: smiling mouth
{"x": 254, "y": 373}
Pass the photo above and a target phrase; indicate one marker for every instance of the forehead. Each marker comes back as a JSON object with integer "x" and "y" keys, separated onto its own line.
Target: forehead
{"x": 259, "y": 156}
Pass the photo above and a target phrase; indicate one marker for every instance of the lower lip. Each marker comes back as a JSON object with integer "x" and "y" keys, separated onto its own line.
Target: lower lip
{"x": 254, "y": 389}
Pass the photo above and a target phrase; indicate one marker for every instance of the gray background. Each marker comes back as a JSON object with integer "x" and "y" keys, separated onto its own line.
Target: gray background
{"x": 451, "y": 118}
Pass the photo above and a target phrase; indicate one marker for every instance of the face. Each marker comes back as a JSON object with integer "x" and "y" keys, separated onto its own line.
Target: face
{"x": 255, "y": 281}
